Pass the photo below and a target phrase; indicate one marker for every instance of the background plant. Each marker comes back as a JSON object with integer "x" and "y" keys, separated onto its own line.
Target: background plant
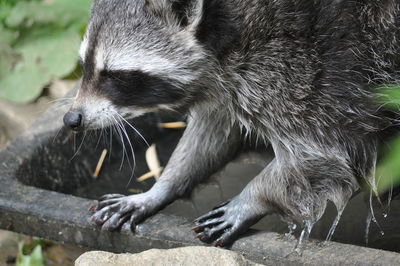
{"x": 39, "y": 40}
{"x": 30, "y": 253}
{"x": 388, "y": 171}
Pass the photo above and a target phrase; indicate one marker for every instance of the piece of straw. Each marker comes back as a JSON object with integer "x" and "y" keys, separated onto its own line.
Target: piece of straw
{"x": 100, "y": 163}
{"x": 135, "y": 191}
{"x": 149, "y": 175}
{"x": 153, "y": 162}
{"x": 173, "y": 125}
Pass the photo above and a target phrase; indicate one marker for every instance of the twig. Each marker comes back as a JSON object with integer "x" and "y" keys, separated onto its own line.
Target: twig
{"x": 100, "y": 163}
{"x": 173, "y": 125}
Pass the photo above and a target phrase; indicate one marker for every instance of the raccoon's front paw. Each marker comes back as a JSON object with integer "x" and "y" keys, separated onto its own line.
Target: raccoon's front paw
{"x": 113, "y": 210}
{"x": 225, "y": 223}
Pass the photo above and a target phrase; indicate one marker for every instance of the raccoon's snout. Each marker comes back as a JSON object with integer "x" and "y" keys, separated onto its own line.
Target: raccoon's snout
{"x": 74, "y": 120}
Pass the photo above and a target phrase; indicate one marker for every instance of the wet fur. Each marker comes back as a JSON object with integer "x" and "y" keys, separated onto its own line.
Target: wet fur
{"x": 296, "y": 74}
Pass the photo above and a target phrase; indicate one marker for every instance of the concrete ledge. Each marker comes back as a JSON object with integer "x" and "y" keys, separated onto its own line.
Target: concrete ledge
{"x": 63, "y": 218}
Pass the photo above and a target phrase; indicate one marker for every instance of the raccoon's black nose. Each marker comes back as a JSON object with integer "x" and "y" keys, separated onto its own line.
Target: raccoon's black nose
{"x": 73, "y": 120}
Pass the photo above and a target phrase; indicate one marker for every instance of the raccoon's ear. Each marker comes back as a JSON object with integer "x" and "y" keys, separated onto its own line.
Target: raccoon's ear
{"x": 188, "y": 12}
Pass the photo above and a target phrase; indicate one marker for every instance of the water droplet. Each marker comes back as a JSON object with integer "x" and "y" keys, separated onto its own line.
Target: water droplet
{"x": 374, "y": 220}
{"x": 385, "y": 215}
{"x": 382, "y": 233}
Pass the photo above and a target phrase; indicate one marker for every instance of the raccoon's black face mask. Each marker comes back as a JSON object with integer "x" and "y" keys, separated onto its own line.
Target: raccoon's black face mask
{"x": 139, "y": 56}
{"x": 126, "y": 88}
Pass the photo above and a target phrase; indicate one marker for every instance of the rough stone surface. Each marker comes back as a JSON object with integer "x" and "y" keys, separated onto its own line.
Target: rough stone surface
{"x": 14, "y": 119}
{"x": 178, "y": 256}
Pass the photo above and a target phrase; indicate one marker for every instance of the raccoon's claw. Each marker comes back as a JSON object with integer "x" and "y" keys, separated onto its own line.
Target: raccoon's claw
{"x": 111, "y": 196}
{"x": 223, "y": 225}
{"x": 112, "y": 211}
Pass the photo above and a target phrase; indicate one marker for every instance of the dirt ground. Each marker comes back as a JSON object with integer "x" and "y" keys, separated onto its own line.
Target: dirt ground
{"x": 14, "y": 119}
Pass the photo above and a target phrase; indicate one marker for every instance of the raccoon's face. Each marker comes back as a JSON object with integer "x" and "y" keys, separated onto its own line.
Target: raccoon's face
{"x": 137, "y": 56}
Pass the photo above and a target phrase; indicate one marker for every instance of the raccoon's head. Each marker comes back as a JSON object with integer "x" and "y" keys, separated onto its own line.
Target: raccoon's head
{"x": 138, "y": 56}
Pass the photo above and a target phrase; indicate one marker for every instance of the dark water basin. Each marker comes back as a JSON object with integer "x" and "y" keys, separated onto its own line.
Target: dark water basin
{"x": 47, "y": 185}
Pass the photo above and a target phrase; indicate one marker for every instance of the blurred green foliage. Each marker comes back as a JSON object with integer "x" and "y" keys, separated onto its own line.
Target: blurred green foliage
{"x": 39, "y": 40}
{"x": 388, "y": 170}
{"x": 390, "y": 96}
{"x": 34, "y": 251}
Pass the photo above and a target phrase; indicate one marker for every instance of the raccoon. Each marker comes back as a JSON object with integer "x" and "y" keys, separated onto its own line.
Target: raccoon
{"x": 299, "y": 75}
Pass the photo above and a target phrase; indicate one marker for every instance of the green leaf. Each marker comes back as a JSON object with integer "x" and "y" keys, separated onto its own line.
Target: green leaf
{"x": 389, "y": 96}
{"x": 59, "y": 12}
{"x": 39, "y": 41}
{"x": 388, "y": 171}
{"x": 41, "y": 60}
{"x": 34, "y": 259}
{"x": 7, "y": 37}
{"x": 5, "y": 9}
{"x": 7, "y": 55}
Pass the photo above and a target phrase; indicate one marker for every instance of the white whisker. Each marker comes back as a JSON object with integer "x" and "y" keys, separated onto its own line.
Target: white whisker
{"x": 131, "y": 126}
{"x": 80, "y": 146}
{"x": 118, "y": 131}
{"x": 123, "y": 130}
{"x": 131, "y": 147}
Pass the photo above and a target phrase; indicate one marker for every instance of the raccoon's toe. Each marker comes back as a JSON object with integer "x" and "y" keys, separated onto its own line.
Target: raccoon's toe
{"x": 112, "y": 211}
{"x": 210, "y": 234}
{"x": 115, "y": 222}
{"x": 223, "y": 225}
{"x": 103, "y": 214}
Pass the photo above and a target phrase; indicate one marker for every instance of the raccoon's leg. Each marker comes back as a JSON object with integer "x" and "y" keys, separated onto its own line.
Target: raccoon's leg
{"x": 208, "y": 143}
{"x": 297, "y": 188}
{"x": 227, "y": 221}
